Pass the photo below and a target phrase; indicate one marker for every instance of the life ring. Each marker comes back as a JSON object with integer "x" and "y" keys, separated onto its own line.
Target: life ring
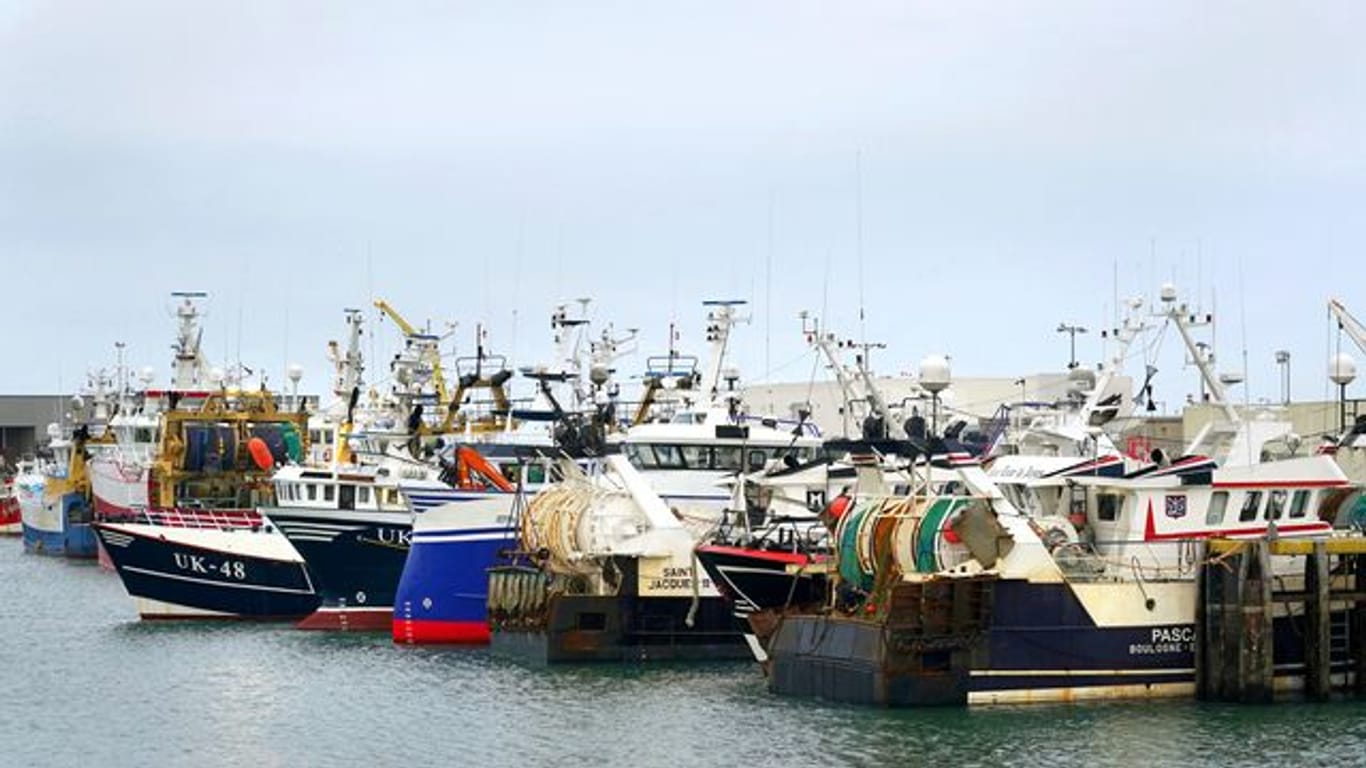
{"x": 327, "y": 454}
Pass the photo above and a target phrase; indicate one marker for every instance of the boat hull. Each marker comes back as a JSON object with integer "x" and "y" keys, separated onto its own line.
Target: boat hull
{"x": 175, "y": 573}
{"x": 58, "y": 526}
{"x": 756, "y": 579}
{"x": 355, "y": 559}
{"x": 443, "y": 592}
{"x": 1039, "y": 645}
{"x": 591, "y": 628}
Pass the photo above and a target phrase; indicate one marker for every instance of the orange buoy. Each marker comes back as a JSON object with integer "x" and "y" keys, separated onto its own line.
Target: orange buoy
{"x": 838, "y": 506}
{"x": 260, "y": 453}
{"x": 950, "y": 535}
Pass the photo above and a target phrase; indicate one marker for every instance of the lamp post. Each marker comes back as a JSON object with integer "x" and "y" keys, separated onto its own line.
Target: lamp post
{"x": 1283, "y": 360}
{"x": 1071, "y": 330}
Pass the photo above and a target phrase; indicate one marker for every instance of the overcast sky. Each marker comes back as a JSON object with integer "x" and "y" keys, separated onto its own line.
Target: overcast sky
{"x": 483, "y": 161}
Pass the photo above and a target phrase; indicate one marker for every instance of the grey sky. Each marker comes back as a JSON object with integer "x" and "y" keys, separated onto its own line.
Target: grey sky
{"x": 500, "y": 156}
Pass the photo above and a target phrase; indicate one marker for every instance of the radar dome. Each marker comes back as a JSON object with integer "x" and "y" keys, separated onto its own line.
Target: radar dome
{"x": 295, "y": 372}
{"x": 1168, "y": 292}
{"x": 1342, "y": 369}
{"x": 1080, "y": 380}
{"x": 934, "y": 373}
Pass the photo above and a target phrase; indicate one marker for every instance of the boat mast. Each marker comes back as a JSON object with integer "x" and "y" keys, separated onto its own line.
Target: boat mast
{"x": 189, "y": 361}
{"x": 350, "y": 367}
{"x": 829, "y": 346}
{"x": 720, "y": 320}
{"x": 1179, "y": 315}
{"x": 1130, "y": 329}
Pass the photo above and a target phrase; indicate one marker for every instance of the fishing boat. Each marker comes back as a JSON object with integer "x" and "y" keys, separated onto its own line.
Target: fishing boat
{"x": 200, "y": 548}
{"x": 461, "y": 526}
{"x": 604, "y": 571}
{"x": 55, "y": 501}
{"x": 962, "y": 598}
{"x": 345, "y": 515}
{"x": 689, "y": 436}
{"x": 177, "y": 493}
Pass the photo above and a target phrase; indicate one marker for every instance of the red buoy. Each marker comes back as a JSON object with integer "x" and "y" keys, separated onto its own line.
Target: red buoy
{"x": 260, "y": 453}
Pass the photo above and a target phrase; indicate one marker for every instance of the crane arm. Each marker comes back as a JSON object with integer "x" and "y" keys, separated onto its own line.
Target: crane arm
{"x": 403, "y": 325}
{"x": 1350, "y": 324}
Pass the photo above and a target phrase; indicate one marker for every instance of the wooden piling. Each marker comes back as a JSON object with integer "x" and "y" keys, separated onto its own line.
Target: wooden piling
{"x": 1357, "y": 629}
{"x": 1235, "y": 614}
{"x": 1255, "y": 667}
{"x": 1203, "y": 682}
{"x": 1318, "y": 665}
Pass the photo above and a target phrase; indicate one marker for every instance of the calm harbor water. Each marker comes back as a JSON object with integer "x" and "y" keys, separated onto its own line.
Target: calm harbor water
{"x": 84, "y": 683}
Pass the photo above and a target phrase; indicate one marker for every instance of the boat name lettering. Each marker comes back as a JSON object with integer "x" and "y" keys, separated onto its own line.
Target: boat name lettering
{"x": 399, "y": 536}
{"x": 232, "y": 569}
{"x": 1166, "y": 640}
{"x": 677, "y": 578}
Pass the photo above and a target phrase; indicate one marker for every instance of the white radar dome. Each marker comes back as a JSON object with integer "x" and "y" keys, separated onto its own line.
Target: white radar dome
{"x": 1342, "y": 369}
{"x": 934, "y": 373}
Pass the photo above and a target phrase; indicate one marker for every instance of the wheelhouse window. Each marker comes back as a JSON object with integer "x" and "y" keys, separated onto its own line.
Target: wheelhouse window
{"x": 1299, "y": 505}
{"x": 312, "y": 492}
{"x": 668, "y": 456}
{"x": 1275, "y": 504}
{"x": 696, "y": 456}
{"x": 641, "y": 456}
{"x": 727, "y": 458}
{"x": 757, "y": 459}
{"x": 1218, "y": 506}
{"x": 363, "y": 495}
{"x": 329, "y": 492}
{"x": 1109, "y": 506}
{"x": 1251, "y": 504}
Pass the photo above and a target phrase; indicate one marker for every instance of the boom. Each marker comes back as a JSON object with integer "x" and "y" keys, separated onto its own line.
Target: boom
{"x": 1355, "y": 330}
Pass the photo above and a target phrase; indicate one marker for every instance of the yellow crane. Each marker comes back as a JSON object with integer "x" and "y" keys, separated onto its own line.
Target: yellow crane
{"x": 432, "y": 349}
